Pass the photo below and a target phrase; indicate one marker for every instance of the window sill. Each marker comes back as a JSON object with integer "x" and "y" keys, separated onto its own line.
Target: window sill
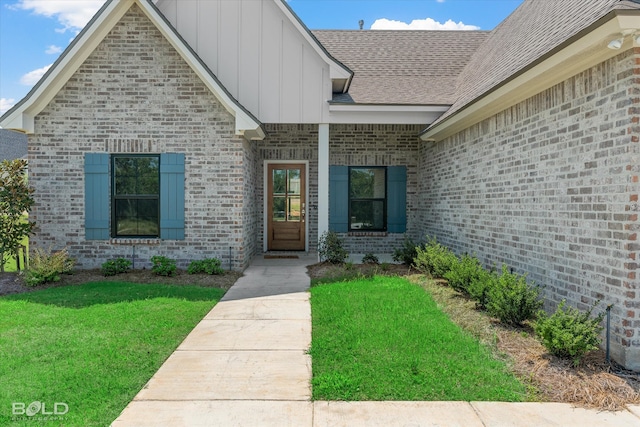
{"x": 368, "y": 233}
{"x": 134, "y": 241}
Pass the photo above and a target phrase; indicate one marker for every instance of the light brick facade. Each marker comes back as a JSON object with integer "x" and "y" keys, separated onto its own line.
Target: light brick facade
{"x": 379, "y": 145}
{"x": 550, "y": 187}
{"x": 135, "y": 94}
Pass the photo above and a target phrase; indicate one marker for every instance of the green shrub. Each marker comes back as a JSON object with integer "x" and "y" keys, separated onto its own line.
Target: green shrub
{"x": 434, "y": 259}
{"x": 478, "y": 288}
{"x": 45, "y": 266}
{"x": 115, "y": 266}
{"x": 463, "y": 272}
{"x": 569, "y": 332}
{"x": 407, "y": 252}
{"x": 330, "y": 248}
{"x": 512, "y": 300}
{"x": 207, "y": 265}
{"x": 163, "y": 266}
{"x": 370, "y": 259}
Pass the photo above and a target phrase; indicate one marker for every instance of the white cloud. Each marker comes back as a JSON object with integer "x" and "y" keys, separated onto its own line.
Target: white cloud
{"x": 53, "y": 50}
{"x": 72, "y": 14}
{"x": 421, "y": 24}
{"x": 32, "y": 77}
{"x": 6, "y": 104}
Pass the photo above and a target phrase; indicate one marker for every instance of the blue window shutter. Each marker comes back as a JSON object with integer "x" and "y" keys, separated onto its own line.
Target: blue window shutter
{"x": 172, "y": 196}
{"x": 96, "y": 196}
{"x": 339, "y": 199}
{"x": 397, "y": 199}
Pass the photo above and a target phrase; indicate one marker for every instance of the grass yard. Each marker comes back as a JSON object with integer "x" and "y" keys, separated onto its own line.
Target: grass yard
{"x": 10, "y": 264}
{"x": 384, "y": 338}
{"x": 91, "y": 346}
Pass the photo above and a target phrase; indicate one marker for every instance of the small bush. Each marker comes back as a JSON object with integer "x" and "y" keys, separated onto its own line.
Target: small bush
{"x": 512, "y": 300}
{"x": 370, "y": 259}
{"x": 45, "y": 266}
{"x": 434, "y": 259}
{"x": 330, "y": 248}
{"x": 207, "y": 265}
{"x": 569, "y": 333}
{"x": 115, "y": 266}
{"x": 479, "y": 287}
{"x": 163, "y": 266}
{"x": 464, "y": 272}
{"x": 407, "y": 252}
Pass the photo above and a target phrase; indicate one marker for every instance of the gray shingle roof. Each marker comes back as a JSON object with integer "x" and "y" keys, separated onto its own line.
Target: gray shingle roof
{"x": 401, "y": 67}
{"x": 533, "y": 30}
{"x": 13, "y": 145}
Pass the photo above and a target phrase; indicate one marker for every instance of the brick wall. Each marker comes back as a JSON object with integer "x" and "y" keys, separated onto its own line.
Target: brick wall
{"x": 286, "y": 143}
{"x": 550, "y": 187}
{"x": 135, "y": 94}
{"x": 379, "y": 145}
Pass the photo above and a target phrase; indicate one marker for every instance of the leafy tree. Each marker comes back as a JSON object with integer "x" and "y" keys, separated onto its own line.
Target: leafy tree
{"x": 15, "y": 200}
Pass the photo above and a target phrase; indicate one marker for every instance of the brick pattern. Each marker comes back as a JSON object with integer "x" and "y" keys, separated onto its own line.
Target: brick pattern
{"x": 135, "y": 94}
{"x": 550, "y": 187}
{"x": 288, "y": 143}
{"x": 379, "y": 145}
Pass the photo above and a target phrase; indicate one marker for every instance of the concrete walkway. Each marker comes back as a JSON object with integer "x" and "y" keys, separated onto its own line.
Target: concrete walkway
{"x": 245, "y": 364}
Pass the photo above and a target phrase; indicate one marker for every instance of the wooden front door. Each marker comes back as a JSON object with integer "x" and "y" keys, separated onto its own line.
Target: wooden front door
{"x": 286, "y": 207}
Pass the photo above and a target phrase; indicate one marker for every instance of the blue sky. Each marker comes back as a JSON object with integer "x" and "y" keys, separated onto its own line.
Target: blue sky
{"x": 33, "y": 33}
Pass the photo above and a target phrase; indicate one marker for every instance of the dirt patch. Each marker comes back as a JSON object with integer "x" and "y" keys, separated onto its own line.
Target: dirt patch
{"x": 593, "y": 384}
{"x": 12, "y": 283}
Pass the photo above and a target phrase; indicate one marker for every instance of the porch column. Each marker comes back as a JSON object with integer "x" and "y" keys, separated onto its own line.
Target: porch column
{"x": 323, "y": 178}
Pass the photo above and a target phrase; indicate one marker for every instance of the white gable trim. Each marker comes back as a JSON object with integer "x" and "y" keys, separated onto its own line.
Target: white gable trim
{"x": 22, "y": 116}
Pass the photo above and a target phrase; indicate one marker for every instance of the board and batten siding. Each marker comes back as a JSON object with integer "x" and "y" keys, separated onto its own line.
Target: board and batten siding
{"x": 258, "y": 54}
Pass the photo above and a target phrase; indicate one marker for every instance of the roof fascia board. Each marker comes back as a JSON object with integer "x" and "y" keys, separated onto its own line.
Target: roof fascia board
{"x": 22, "y": 116}
{"x": 337, "y": 69}
{"x": 402, "y": 115}
{"x": 583, "y": 51}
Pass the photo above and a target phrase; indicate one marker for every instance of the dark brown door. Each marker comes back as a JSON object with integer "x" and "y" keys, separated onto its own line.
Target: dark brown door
{"x": 286, "y": 207}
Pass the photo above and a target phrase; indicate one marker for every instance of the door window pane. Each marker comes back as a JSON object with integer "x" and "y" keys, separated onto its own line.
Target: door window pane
{"x": 279, "y": 208}
{"x": 293, "y": 209}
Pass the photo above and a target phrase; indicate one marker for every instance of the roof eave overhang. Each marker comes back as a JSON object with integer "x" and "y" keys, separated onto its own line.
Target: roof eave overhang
{"x": 22, "y": 116}
{"x": 352, "y": 113}
{"x": 583, "y": 51}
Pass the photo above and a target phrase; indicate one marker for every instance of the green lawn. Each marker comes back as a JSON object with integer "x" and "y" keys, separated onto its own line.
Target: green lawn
{"x": 385, "y": 339}
{"x": 91, "y": 347}
{"x": 10, "y": 265}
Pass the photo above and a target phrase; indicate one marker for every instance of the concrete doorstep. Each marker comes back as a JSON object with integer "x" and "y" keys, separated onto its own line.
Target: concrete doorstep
{"x": 246, "y": 364}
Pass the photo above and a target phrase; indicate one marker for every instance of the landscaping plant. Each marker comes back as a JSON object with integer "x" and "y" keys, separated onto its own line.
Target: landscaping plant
{"x": 208, "y": 266}
{"x": 407, "y": 252}
{"x": 569, "y": 332}
{"x": 115, "y": 266}
{"x": 45, "y": 266}
{"x": 15, "y": 200}
{"x": 370, "y": 259}
{"x": 163, "y": 266}
{"x": 434, "y": 259}
{"x": 479, "y": 287}
{"x": 464, "y": 272}
{"x": 330, "y": 248}
{"x": 511, "y": 299}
